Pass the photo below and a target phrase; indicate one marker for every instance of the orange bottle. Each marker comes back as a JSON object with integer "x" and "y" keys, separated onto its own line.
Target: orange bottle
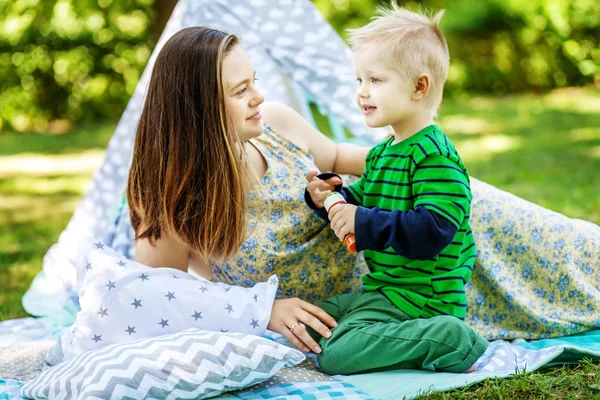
{"x": 331, "y": 201}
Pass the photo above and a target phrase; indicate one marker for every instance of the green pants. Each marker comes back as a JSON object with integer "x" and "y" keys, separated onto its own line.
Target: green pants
{"x": 374, "y": 335}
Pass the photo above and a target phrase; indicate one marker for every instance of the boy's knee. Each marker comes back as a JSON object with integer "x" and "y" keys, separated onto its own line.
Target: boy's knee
{"x": 453, "y": 329}
{"x": 330, "y": 362}
{"x": 333, "y": 357}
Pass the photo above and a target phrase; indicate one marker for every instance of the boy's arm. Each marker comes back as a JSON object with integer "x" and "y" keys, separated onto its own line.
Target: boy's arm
{"x": 418, "y": 233}
{"x": 442, "y": 201}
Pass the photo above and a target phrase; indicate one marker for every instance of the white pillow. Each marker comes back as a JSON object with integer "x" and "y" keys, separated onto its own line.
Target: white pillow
{"x": 186, "y": 365}
{"x": 122, "y": 300}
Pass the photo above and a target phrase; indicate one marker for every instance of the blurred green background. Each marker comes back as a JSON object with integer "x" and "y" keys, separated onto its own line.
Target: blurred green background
{"x": 79, "y": 60}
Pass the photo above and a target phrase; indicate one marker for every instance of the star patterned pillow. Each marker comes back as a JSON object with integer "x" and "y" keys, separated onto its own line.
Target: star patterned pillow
{"x": 122, "y": 300}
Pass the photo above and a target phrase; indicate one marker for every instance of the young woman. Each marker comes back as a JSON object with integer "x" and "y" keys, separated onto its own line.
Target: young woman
{"x": 217, "y": 182}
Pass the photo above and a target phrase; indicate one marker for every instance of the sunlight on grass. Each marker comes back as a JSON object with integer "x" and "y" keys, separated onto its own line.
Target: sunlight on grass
{"x": 468, "y": 125}
{"x": 43, "y": 185}
{"x": 585, "y": 134}
{"x": 594, "y": 152}
{"x": 481, "y": 103}
{"x": 24, "y": 209}
{"x": 483, "y": 148}
{"x": 574, "y": 99}
{"x": 32, "y": 164}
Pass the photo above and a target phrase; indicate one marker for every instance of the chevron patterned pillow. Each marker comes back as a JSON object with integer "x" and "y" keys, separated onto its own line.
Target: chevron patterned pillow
{"x": 192, "y": 364}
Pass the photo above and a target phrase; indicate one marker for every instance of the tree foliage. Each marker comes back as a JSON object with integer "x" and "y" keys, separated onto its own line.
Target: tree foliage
{"x": 67, "y": 60}
{"x": 503, "y": 46}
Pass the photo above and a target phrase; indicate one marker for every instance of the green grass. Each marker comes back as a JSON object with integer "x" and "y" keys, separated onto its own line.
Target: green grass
{"x": 42, "y": 178}
{"x": 562, "y": 383}
{"x": 543, "y": 148}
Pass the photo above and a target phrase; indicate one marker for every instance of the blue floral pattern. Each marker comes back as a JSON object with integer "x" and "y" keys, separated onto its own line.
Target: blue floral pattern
{"x": 537, "y": 273}
{"x": 286, "y": 237}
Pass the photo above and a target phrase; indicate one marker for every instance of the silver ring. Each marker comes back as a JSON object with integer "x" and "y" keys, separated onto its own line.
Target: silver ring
{"x": 294, "y": 327}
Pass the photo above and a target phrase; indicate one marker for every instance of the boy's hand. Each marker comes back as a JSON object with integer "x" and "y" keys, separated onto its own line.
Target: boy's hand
{"x": 319, "y": 189}
{"x": 342, "y": 219}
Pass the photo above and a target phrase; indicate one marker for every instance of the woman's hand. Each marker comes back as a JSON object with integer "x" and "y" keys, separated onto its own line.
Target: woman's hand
{"x": 319, "y": 189}
{"x": 289, "y": 316}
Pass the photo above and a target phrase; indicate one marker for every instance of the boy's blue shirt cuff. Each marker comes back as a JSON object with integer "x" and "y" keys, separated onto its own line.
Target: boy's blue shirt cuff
{"x": 418, "y": 234}
{"x": 321, "y": 211}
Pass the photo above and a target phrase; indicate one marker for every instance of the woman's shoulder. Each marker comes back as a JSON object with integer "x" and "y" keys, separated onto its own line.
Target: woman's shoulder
{"x": 275, "y": 114}
{"x": 285, "y": 121}
{"x": 166, "y": 251}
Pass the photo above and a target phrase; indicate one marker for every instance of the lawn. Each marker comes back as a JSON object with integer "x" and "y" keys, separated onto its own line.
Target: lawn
{"x": 545, "y": 148}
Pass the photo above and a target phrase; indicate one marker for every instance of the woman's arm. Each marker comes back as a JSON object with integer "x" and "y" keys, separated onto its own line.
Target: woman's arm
{"x": 342, "y": 158}
{"x": 286, "y": 313}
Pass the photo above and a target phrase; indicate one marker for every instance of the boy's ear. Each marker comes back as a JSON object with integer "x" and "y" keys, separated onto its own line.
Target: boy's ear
{"x": 422, "y": 87}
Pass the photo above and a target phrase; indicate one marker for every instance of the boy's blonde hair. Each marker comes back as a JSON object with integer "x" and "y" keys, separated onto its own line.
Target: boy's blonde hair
{"x": 411, "y": 42}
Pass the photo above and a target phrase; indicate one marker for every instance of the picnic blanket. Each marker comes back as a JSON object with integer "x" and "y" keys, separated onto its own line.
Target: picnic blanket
{"x": 304, "y": 380}
{"x": 536, "y": 277}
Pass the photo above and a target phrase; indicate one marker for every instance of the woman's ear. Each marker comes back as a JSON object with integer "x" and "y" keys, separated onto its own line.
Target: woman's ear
{"x": 422, "y": 87}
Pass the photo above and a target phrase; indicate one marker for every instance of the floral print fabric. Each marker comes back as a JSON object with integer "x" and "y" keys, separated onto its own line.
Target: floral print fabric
{"x": 286, "y": 237}
{"x": 537, "y": 273}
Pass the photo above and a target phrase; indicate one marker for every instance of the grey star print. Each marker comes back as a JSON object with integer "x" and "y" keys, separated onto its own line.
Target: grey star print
{"x": 103, "y": 312}
{"x": 197, "y": 315}
{"x": 137, "y": 303}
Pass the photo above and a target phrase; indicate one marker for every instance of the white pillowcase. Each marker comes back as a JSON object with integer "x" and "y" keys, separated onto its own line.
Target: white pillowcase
{"x": 186, "y": 365}
{"x": 122, "y": 300}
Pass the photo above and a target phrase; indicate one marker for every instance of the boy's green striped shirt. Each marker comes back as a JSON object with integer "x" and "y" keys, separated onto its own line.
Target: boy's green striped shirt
{"x": 423, "y": 170}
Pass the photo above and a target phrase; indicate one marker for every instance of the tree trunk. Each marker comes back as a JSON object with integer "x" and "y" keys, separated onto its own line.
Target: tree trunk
{"x": 163, "y": 10}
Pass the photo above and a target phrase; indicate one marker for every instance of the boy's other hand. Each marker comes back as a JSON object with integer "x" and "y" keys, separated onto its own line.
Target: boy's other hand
{"x": 342, "y": 219}
{"x": 319, "y": 189}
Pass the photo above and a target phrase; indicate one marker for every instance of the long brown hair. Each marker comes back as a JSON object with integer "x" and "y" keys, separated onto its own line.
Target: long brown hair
{"x": 188, "y": 178}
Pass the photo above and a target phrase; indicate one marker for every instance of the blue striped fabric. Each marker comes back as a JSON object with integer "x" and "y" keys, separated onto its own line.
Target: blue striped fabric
{"x": 306, "y": 391}
{"x": 9, "y": 389}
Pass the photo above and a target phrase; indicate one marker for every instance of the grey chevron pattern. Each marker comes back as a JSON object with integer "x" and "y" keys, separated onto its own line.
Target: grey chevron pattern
{"x": 191, "y": 364}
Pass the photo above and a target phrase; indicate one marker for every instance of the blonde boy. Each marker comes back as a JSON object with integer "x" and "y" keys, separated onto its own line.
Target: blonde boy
{"x": 409, "y": 212}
